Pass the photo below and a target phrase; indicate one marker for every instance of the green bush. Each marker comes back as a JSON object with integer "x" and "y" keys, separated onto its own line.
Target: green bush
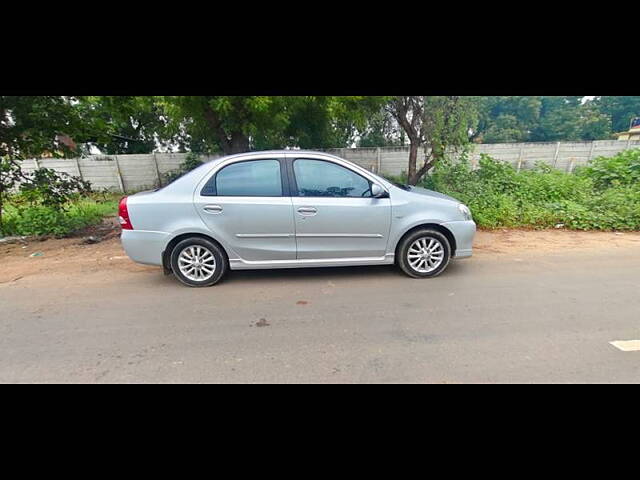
{"x": 40, "y": 200}
{"x": 53, "y": 189}
{"x": 605, "y": 195}
{"x": 24, "y": 219}
{"x": 606, "y": 172}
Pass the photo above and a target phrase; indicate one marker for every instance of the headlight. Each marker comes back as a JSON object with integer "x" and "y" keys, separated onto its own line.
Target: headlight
{"x": 464, "y": 210}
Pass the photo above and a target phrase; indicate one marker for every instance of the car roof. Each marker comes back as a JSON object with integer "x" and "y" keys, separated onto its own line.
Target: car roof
{"x": 197, "y": 175}
{"x": 302, "y": 153}
{"x": 279, "y": 152}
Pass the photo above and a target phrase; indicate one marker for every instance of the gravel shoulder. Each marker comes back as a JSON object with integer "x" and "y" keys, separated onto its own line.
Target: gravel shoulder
{"x": 74, "y": 258}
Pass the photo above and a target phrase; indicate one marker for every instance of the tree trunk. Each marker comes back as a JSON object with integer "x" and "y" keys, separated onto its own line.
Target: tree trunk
{"x": 239, "y": 143}
{"x": 1, "y": 204}
{"x": 429, "y": 162}
{"x": 428, "y": 165}
{"x": 412, "y": 178}
{"x": 2, "y": 190}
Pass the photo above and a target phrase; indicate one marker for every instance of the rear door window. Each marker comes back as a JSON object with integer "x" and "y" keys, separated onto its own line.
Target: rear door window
{"x": 319, "y": 178}
{"x": 254, "y": 178}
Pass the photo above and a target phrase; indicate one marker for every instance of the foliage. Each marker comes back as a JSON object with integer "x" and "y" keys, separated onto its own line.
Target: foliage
{"x": 434, "y": 123}
{"x": 125, "y": 124}
{"x": 235, "y": 124}
{"x": 47, "y": 202}
{"x": 26, "y": 219}
{"x": 52, "y": 189}
{"x": 33, "y": 126}
{"x": 504, "y": 119}
{"x": 226, "y": 123}
{"x": 230, "y": 124}
{"x": 327, "y": 121}
{"x": 568, "y": 119}
{"x": 602, "y": 196}
{"x": 381, "y": 130}
{"x": 620, "y": 170}
{"x": 620, "y": 109}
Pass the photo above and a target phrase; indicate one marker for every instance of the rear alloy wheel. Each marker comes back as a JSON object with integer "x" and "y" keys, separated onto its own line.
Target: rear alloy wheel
{"x": 197, "y": 262}
{"x": 424, "y": 253}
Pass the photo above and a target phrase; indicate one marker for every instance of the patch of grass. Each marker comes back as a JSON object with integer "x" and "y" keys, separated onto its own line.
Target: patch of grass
{"x": 605, "y": 195}
{"x": 21, "y": 219}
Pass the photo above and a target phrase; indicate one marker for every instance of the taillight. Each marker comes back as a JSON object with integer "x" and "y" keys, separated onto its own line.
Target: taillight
{"x": 123, "y": 211}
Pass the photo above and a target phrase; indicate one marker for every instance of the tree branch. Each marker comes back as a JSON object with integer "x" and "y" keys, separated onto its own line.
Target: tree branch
{"x": 399, "y": 112}
{"x": 425, "y": 168}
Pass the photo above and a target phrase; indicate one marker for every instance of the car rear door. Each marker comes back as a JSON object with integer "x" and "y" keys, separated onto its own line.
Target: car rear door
{"x": 247, "y": 204}
{"x": 335, "y": 214}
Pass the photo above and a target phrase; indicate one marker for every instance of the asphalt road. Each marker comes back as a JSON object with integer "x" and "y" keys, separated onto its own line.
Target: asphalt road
{"x": 510, "y": 318}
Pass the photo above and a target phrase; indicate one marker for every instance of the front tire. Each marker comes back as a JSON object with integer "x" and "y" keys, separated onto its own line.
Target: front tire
{"x": 424, "y": 253}
{"x": 198, "y": 262}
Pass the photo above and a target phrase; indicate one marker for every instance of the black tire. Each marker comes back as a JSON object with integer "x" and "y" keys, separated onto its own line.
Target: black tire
{"x": 219, "y": 270}
{"x": 406, "y": 243}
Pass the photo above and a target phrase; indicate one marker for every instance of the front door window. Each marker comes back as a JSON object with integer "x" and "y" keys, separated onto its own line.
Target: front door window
{"x": 316, "y": 178}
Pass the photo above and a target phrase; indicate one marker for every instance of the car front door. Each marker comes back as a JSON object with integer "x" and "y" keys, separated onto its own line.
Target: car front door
{"x": 335, "y": 213}
{"x": 247, "y": 205}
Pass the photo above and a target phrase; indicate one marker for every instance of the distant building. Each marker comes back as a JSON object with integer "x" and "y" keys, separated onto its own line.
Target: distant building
{"x": 633, "y": 133}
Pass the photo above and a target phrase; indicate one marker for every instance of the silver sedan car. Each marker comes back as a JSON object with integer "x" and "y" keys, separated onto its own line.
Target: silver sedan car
{"x": 290, "y": 209}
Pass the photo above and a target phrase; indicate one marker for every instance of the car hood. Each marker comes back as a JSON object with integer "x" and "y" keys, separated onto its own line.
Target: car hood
{"x": 431, "y": 193}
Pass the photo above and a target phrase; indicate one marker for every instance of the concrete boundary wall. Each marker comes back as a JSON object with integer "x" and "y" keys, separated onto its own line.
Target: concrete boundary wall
{"x": 123, "y": 173}
{"x": 130, "y": 173}
{"x": 562, "y": 155}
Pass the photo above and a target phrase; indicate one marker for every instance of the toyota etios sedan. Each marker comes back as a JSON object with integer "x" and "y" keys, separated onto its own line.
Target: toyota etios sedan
{"x": 287, "y": 209}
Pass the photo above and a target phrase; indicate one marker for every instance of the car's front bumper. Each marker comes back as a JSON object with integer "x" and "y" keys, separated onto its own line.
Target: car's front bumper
{"x": 144, "y": 246}
{"x": 464, "y": 233}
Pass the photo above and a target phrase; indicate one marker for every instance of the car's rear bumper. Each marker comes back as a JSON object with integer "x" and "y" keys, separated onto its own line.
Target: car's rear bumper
{"x": 464, "y": 233}
{"x": 143, "y": 246}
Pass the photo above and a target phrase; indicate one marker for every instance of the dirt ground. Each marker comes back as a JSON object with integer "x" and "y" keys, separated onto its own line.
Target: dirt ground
{"x": 73, "y": 256}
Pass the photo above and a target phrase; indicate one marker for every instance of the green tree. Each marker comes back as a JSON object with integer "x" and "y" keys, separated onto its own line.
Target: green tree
{"x": 593, "y": 123}
{"x": 228, "y": 124}
{"x": 505, "y": 119}
{"x": 620, "y": 109}
{"x": 381, "y": 130}
{"x": 569, "y": 119}
{"x": 33, "y": 126}
{"x": 238, "y": 124}
{"x": 329, "y": 121}
{"x": 125, "y": 124}
{"x": 434, "y": 124}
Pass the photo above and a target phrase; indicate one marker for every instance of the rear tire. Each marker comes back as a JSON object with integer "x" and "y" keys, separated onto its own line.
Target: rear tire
{"x": 424, "y": 253}
{"x": 198, "y": 262}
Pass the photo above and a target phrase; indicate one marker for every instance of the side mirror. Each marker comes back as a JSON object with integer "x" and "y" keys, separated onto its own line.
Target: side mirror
{"x": 378, "y": 192}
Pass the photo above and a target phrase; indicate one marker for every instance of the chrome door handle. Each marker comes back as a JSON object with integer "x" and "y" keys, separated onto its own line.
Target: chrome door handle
{"x": 214, "y": 209}
{"x": 307, "y": 211}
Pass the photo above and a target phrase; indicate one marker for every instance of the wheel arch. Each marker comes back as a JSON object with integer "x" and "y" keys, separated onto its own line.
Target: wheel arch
{"x": 166, "y": 254}
{"x": 434, "y": 226}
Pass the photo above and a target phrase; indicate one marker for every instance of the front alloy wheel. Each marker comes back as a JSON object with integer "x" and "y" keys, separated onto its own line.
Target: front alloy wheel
{"x": 424, "y": 253}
